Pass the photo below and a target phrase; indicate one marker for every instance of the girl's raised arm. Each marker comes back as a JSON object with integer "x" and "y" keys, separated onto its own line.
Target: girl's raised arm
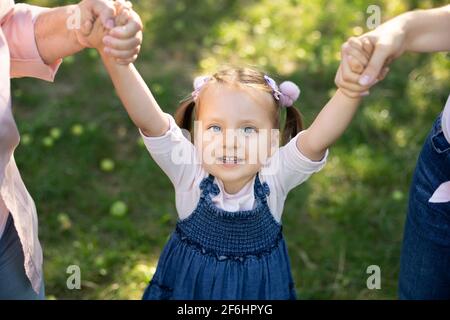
{"x": 328, "y": 126}
{"x": 131, "y": 88}
{"x": 337, "y": 114}
{"x": 137, "y": 98}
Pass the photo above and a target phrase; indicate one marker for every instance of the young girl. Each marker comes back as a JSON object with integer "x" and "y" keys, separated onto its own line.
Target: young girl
{"x": 228, "y": 241}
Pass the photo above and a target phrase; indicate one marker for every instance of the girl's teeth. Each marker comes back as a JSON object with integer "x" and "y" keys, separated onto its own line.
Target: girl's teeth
{"x": 229, "y": 159}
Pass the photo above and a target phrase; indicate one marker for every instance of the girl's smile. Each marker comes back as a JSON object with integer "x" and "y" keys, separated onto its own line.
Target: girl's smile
{"x": 230, "y": 162}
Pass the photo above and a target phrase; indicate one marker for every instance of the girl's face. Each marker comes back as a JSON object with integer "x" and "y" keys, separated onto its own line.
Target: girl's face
{"x": 234, "y": 132}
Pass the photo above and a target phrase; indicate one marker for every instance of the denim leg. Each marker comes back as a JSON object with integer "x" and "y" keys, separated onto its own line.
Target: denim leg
{"x": 14, "y": 283}
{"x": 424, "y": 267}
{"x": 425, "y": 256}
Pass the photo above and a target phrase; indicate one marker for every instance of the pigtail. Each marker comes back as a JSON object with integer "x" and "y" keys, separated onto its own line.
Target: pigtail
{"x": 184, "y": 113}
{"x": 293, "y": 124}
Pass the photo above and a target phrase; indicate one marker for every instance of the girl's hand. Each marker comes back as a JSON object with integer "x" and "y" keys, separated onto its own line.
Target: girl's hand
{"x": 337, "y": 114}
{"x": 95, "y": 37}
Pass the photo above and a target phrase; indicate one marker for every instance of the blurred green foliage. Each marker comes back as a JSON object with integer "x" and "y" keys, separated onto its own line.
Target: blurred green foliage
{"x": 104, "y": 205}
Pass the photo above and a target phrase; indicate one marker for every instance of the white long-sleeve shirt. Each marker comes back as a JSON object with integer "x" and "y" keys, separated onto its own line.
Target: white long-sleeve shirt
{"x": 293, "y": 169}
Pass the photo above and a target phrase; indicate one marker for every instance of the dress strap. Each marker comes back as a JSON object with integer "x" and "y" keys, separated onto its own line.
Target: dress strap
{"x": 208, "y": 186}
{"x": 261, "y": 189}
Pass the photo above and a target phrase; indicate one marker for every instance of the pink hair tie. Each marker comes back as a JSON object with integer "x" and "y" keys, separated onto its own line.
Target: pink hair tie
{"x": 199, "y": 82}
{"x": 287, "y": 93}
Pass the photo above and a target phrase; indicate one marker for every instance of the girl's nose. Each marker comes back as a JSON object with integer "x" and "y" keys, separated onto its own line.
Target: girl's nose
{"x": 230, "y": 139}
{"x": 231, "y": 143}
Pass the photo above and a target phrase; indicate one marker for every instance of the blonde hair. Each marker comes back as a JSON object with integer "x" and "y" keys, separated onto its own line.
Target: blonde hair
{"x": 251, "y": 78}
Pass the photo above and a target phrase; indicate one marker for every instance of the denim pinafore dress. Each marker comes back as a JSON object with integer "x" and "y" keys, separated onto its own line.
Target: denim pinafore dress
{"x": 216, "y": 254}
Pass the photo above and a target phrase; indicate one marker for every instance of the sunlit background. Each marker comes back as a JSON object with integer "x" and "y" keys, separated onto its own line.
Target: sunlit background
{"x": 104, "y": 205}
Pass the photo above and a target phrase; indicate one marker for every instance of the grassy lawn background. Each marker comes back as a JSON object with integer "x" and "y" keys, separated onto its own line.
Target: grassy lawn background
{"x": 80, "y": 154}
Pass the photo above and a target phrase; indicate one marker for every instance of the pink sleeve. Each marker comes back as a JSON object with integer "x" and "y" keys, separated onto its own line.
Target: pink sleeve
{"x": 19, "y": 32}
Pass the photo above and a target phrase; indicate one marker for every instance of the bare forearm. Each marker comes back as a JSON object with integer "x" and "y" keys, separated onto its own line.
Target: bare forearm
{"x": 137, "y": 99}
{"x": 54, "y": 38}
{"x": 329, "y": 125}
{"x": 427, "y": 30}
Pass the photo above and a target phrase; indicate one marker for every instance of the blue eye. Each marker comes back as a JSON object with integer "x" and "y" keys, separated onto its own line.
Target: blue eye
{"x": 215, "y": 129}
{"x": 249, "y": 130}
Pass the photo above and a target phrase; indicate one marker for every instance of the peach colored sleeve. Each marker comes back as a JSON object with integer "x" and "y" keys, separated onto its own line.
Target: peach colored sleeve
{"x": 19, "y": 32}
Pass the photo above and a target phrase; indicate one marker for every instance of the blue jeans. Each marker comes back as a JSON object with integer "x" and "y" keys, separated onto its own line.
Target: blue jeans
{"x": 425, "y": 257}
{"x": 14, "y": 283}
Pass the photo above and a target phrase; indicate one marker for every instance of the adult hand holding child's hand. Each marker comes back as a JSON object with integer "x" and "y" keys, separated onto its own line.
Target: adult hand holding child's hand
{"x": 415, "y": 31}
{"x": 355, "y": 55}
{"x": 121, "y": 28}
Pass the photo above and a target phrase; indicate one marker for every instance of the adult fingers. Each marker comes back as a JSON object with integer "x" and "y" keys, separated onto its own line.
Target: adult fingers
{"x": 123, "y": 15}
{"x": 87, "y": 25}
{"x": 106, "y": 11}
{"x": 376, "y": 63}
{"x": 351, "y": 86}
{"x": 383, "y": 73}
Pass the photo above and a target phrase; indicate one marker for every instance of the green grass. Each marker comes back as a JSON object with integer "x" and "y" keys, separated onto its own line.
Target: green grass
{"x": 345, "y": 218}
